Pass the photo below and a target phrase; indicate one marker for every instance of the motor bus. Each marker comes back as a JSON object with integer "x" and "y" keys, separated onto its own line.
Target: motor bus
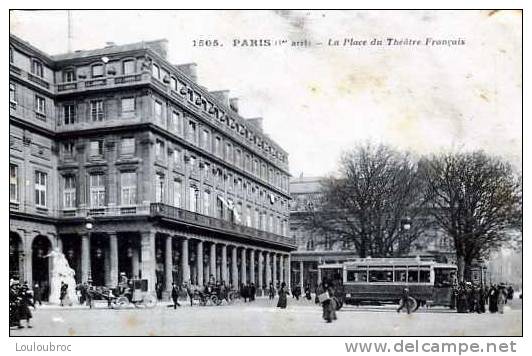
{"x": 382, "y": 280}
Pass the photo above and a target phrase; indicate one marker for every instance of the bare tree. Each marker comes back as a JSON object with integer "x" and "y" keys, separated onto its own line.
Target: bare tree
{"x": 475, "y": 199}
{"x": 374, "y": 203}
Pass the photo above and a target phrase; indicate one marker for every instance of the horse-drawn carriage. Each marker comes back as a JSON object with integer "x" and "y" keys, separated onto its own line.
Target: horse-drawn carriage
{"x": 210, "y": 295}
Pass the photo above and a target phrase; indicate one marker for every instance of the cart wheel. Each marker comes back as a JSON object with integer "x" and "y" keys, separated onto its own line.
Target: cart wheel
{"x": 149, "y": 301}
{"x": 214, "y": 300}
{"x": 122, "y": 302}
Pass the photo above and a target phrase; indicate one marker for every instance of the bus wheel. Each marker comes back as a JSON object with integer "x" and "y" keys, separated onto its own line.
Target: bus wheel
{"x": 413, "y": 304}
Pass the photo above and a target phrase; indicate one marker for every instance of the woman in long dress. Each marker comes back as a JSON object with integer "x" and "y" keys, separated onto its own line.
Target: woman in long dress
{"x": 329, "y": 305}
{"x": 282, "y": 296}
{"x": 501, "y": 299}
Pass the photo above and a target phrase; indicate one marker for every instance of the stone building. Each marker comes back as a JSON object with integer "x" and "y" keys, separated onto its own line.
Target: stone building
{"x": 314, "y": 249}
{"x": 123, "y": 162}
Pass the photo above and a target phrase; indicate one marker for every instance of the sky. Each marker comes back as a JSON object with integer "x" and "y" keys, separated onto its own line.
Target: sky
{"x": 318, "y": 101}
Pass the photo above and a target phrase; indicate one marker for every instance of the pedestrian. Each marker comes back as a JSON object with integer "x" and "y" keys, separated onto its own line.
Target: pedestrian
{"x": 25, "y": 301}
{"x": 328, "y": 302}
{"x": 482, "y": 299}
{"x": 14, "y": 300}
{"x": 244, "y": 292}
{"x": 493, "y": 295}
{"x": 501, "y": 299}
{"x": 63, "y": 293}
{"x": 271, "y": 291}
{"x": 283, "y": 292}
{"x": 510, "y": 295}
{"x": 252, "y": 292}
{"x": 405, "y": 301}
{"x": 175, "y": 295}
{"x": 296, "y": 292}
{"x": 37, "y": 296}
{"x": 307, "y": 292}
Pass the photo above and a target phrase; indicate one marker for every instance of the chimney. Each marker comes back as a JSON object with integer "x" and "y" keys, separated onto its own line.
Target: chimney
{"x": 233, "y": 104}
{"x": 256, "y": 122}
{"x": 190, "y": 70}
{"x": 222, "y": 96}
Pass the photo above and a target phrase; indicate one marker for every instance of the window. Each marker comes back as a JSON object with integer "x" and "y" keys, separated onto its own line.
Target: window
{"x": 69, "y": 76}
{"x": 238, "y": 213}
{"x": 400, "y": 274}
{"x": 173, "y": 83}
{"x": 229, "y": 152}
{"x": 37, "y": 68}
{"x": 177, "y": 193}
{"x": 193, "y": 195}
{"x": 238, "y": 158}
{"x": 69, "y": 112}
{"x": 97, "y": 190}
{"x": 155, "y": 71}
{"x": 159, "y": 188}
{"x": 68, "y": 149}
{"x": 128, "y": 184}
{"x": 218, "y": 146}
{"x": 424, "y": 275}
{"x": 257, "y": 219}
{"x": 380, "y": 276}
{"x": 159, "y": 150}
{"x": 40, "y": 189}
{"x": 248, "y": 216}
{"x": 177, "y": 158}
{"x": 40, "y": 104}
{"x": 176, "y": 124}
{"x": 97, "y": 110}
{"x": 128, "y": 107}
{"x": 97, "y": 70}
{"x": 12, "y": 93}
{"x": 13, "y": 183}
{"x": 205, "y": 142}
{"x": 206, "y": 202}
{"x": 158, "y": 112}
{"x": 191, "y": 132}
{"x": 69, "y": 192}
{"x": 96, "y": 148}
{"x": 127, "y": 146}
{"x": 357, "y": 276}
{"x": 413, "y": 274}
{"x": 270, "y": 225}
{"x": 129, "y": 67}
{"x": 206, "y": 171}
{"x": 219, "y": 208}
{"x": 192, "y": 164}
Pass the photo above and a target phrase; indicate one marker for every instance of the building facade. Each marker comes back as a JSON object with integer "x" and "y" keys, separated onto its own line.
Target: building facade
{"x": 314, "y": 249}
{"x": 126, "y": 164}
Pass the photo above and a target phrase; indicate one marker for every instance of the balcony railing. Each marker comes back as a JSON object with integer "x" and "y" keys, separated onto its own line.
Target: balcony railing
{"x": 104, "y": 82}
{"x": 185, "y": 216}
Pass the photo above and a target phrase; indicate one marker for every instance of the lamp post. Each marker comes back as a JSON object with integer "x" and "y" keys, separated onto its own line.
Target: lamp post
{"x": 89, "y": 225}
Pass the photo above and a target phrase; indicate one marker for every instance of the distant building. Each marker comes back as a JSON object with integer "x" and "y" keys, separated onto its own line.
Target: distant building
{"x": 121, "y": 160}
{"x": 314, "y": 249}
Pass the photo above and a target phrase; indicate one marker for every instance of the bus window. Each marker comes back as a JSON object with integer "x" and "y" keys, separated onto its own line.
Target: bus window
{"x": 424, "y": 275}
{"x": 413, "y": 275}
{"x": 380, "y": 276}
{"x": 400, "y": 275}
{"x": 444, "y": 277}
{"x": 357, "y": 276}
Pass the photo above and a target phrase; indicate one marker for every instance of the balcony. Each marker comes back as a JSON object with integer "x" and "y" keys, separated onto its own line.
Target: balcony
{"x": 103, "y": 83}
{"x": 203, "y": 221}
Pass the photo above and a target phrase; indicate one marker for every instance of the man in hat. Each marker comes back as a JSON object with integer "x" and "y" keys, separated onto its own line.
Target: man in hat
{"x": 405, "y": 301}
{"x": 175, "y": 295}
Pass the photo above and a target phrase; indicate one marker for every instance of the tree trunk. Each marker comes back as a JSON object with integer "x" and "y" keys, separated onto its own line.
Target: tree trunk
{"x": 460, "y": 263}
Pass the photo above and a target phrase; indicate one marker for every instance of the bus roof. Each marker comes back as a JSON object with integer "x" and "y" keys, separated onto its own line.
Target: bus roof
{"x": 331, "y": 265}
{"x": 389, "y": 261}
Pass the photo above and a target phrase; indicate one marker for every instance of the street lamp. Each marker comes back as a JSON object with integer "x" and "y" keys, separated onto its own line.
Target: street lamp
{"x": 89, "y": 225}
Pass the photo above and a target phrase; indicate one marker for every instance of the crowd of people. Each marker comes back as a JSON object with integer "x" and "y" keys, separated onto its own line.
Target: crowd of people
{"x": 473, "y": 298}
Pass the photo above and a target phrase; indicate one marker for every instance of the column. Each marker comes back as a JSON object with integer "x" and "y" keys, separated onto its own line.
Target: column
{"x": 212, "y": 260}
{"x": 268, "y": 270}
{"x": 225, "y": 276}
{"x": 199, "y": 255}
{"x": 274, "y": 276}
{"x": 260, "y": 271}
{"x": 147, "y": 255}
{"x": 301, "y": 277}
{"x": 243, "y": 267}
{"x": 288, "y": 270}
{"x": 281, "y": 269}
{"x": 85, "y": 258}
{"x": 113, "y": 259}
{"x": 252, "y": 266}
{"x": 319, "y": 273}
{"x": 28, "y": 263}
{"x": 168, "y": 277}
{"x": 135, "y": 263}
{"x": 234, "y": 269}
{"x": 185, "y": 268}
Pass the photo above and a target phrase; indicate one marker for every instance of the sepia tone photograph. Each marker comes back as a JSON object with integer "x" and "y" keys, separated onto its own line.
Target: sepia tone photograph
{"x": 265, "y": 173}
